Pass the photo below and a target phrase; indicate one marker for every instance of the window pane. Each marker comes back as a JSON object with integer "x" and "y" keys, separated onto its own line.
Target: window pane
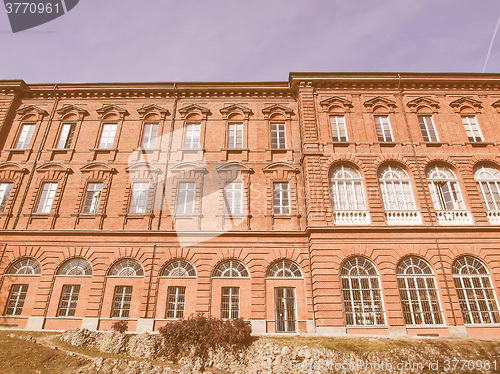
{"x": 5, "y": 189}
{"x": 149, "y": 135}
{"x": 68, "y": 301}
{"x": 278, "y": 135}
{"x": 230, "y": 302}
{"x": 281, "y": 201}
{"x": 234, "y": 198}
{"x": 339, "y": 132}
{"x": 235, "y": 135}
{"x": 92, "y": 197}
{"x": 46, "y": 198}
{"x": 185, "y": 198}
{"x": 15, "y": 302}
{"x": 284, "y": 301}
{"x": 472, "y": 129}
{"x": 25, "y": 135}
{"x": 192, "y": 136}
{"x": 121, "y": 301}
{"x": 107, "y": 136}
{"x": 139, "y": 198}
{"x": 175, "y": 302}
{"x": 383, "y": 128}
{"x": 66, "y": 136}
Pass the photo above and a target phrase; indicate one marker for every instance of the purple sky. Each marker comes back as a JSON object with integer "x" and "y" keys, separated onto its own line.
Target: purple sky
{"x": 250, "y": 40}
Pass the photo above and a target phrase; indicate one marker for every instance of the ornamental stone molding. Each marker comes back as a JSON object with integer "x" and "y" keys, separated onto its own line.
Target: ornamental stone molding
{"x": 423, "y": 102}
{"x": 277, "y": 108}
{"x": 196, "y": 109}
{"x": 466, "y": 102}
{"x": 235, "y": 108}
{"x": 333, "y": 102}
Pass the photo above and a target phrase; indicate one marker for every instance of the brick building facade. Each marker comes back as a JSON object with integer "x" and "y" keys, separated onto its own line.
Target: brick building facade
{"x": 335, "y": 203}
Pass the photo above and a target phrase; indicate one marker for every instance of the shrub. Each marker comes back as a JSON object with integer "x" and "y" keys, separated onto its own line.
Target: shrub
{"x": 120, "y": 326}
{"x": 198, "y": 334}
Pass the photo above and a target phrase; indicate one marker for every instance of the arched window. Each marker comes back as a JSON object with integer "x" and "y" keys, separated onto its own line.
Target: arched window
{"x": 361, "y": 293}
{"x": 231, "y": 269}
{"x": 488, "y": 184}
{"x": 75, "y": 266}
{"x": 126, "y": 268}
{"x": 25, "y": 266}
{"x": 444, "y": 189}
{"x": 476, "y": 295}
{"x": 283, "y": 269}
{"x": 347, "y": 196}
{"x": 418, "y": 293}
{"x": 178, "y": 268}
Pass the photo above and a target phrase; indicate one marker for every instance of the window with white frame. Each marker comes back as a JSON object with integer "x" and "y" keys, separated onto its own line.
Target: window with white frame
{"x": 233, "y": 197}
{"x": 346, "y": 189}
{"x": 121, "y": 302}
{"x": 15, "y": 301}
{"x": 418, "y": 293}
{"x": 339, "y": 131}
{"x": 281, "y": 198}
{"x": 278, "y": 135}
{"x": 68, "y": 300}
{"x": 383, "y": 126}
{"x": 176, "y": 298}
{"x": 25, "y": 135}
{"x": 5, "y": 189}
{"x": 427, "y": 128}
{"x": 488, "y": 184}
{"x": 25, "y": 266}
{"x": 66, "y": 136}
{"x": 284, "y": 302}
{"x": 139, "y": 197}
{"x": 185, "y": 197}
{"x": 46, "y": 197}
{"x": 472, "y": 129}
{"x": 444, "y": 189}
{"x": 108, "y": 133}
{"x": 361, "y": 293}
{"x": 126, "y": 267}
{"x": 395, "y": 188}
{"x": 178, "y": 268}
{"x": 92, "y": 197}
{"x": 75, "y": 267}
{"x": 283, "y": 269}
{"x": 475, "y": 292}
{"x": 230, "y": 302}
{"x": 192, "y": 136}
{"x": 235, "y": 135}
{"x": 149, "y": 135}
{"x": 231, "y": 269}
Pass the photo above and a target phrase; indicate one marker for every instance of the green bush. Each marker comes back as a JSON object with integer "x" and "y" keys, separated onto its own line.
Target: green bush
{"x": 198, "y": 334}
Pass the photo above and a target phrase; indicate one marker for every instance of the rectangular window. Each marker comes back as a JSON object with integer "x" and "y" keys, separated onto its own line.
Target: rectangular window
{"x": 46, "y": 197}
{"x": 284, "y": 300}
{"x": 185, "y": 198}
{"x": 339, "y": 131}
{"x": 278, "y": 135}
{"x": 92, "y": 197}
{"x": 233, "y": 196}
{"x": 5, "y": 189}
{"x": 230, "y": 302}
{"x": 149, "y": 135}
{"x": 69, "y": 298}
{"x": 192, "y": 136}
{"x": 139, "y": 198}
{"x": 281, "y": 198}
{"x": 472, "y": 129}
{"x": 121, "y": 301}
{"x": 235, "y": 135}
{"x": 383, "y": 127}
{"x": 176, "y": 298}
{"x": 66, "y": 136}
{"x": 23, "y": 141}
{"x": 427, "y": 127}
{"x": 107, "y": 136}
{"x": 15, "y": 302}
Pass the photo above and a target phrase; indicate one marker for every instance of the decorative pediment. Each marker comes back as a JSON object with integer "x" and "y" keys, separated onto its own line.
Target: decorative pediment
{"x": 194, "y": 108}
{"x": 422, "y": 101}
{"x": 466, "y": 102}
{"x": 333, "y": 102}
{"x": 496, "y": 105}
{"x": 277, "y": 108}
{"x": 235, "y": 108}
{"x": 280, "y": 166}
{"x": 53, "y": 166}
{"x": 380, "y": 101}
{"x": 12, "y": 166}
{"x": 97, "y": 166}
{"x": 153, "y": 108}
{"x": 80, "y": 112}
{"x": 234, "y": 166}
{"x": 32, "y": 109}
{"x": 188, "y": 166}
{"x": 143, "y": 166}
{"x": 112, "y": 108}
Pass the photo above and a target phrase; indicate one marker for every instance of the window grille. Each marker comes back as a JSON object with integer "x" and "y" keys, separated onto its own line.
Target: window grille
{"x": 418, "y": 292}
{"x": 284, "y": 300}
{"x": 281, "y": 198}
{"x": 444, "y": 189}
{"x": 192, "y": 136}
{"x": 5, "y": 189}
{"x": 472, "y": 129}
{"x": 383, "y": 126}
{"x": 230, "y": 303}
{"x": 126, "y": 268}
{"x": 15, "y": 302}
{"x": 75, "y": 266}
{"x": 361, "y": 293}
{"x": 488, "y": 184}
{"x": 139, "y": 198}
{"x": 339, "y": 131}
{"x": 66, "y": 136}
{"x": 176, "y": 298}
{"x": 25, "y": 266}
{"x": 68, "y": 300}
{"x": 185, "y": 198}
{"x": 121, "y": 302}
{"x": 235, "y": 135}
{"x": 92, "y": 197}
{"x": 25, "y": 135}
{"x": 149, "y": 135}
{"x": 475, "y": 292}
{"x": 283, "y": 269}
{"x": 178, "y": 268}
{"x": 233, "y": 195}
{"x": 346, "y": 189}
{"x": 278, "y": 135}
{"x": 46, "y": 197}
{"x": 396, "y": 189}
{"x": 231, "y": 269}
{"x": 427, "y": 127}
{"x": 107, "y": 136}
